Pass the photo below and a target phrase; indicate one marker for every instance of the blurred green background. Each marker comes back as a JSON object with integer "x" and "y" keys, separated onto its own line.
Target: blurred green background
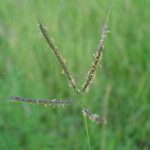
{"x": 120, "y": 91}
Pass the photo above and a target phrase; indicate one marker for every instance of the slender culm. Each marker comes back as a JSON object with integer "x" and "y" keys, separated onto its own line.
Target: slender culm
{"x": 53, "y": 102}
{"x": 98, "y": 57}
{"x": 58, "y": 55}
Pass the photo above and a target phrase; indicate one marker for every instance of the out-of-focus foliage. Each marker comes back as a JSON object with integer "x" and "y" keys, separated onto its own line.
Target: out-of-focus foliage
{"x": 28, "y": 68}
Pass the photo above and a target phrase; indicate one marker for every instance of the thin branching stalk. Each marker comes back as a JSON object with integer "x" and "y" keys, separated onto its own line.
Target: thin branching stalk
{"x": 97, "y": 58}
{"x": 58, "y": 55}
{"x": 93, "y": 117}
{"x": 53, "y": 102}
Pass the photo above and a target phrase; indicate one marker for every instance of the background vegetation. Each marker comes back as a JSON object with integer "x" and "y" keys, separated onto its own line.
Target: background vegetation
{"x": 29, "y": 69}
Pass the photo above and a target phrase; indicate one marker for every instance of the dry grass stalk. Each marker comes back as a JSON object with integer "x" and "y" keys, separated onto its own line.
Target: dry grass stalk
{"x": 53, "y": 102}
{"x": 58, "y": 55}
{"x": 93, "y": 117}
{"x": 98, "y": 57}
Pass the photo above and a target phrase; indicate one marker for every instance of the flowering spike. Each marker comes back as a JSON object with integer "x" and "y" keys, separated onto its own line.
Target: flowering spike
{"x": 58, "y": 55}
{"x": 97, "y": 57}
{"x": 45, "y": 102}
{"x": 93, "y": 117}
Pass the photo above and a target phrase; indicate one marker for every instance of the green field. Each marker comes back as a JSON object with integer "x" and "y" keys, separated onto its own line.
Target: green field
{"x": 28, "y": 68}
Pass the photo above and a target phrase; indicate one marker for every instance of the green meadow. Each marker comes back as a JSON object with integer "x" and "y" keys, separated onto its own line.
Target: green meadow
{"x": 28, "y": 68}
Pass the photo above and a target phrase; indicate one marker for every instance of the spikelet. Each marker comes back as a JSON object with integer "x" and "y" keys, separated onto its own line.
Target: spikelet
{"x": 59, "y": 57}
{"x": 97, "y": 58}
{"x": 53, "y": 102}
{"x": 93, "y": 117}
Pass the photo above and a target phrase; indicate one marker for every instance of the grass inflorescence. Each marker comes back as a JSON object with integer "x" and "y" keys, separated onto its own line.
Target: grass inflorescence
{"x": 81, "y": 91}
{"x": 62, "y": 62}
{"x": 53, "y": 102}
{"x": 93, "y": 117}
{"x": 97, "y": 57}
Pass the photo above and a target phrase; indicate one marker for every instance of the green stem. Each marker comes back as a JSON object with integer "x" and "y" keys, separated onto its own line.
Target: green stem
{"x": 86, "y": 127}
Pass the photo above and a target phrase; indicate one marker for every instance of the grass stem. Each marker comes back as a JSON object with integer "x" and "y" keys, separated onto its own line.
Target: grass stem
{"x": 86, "y": 127}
